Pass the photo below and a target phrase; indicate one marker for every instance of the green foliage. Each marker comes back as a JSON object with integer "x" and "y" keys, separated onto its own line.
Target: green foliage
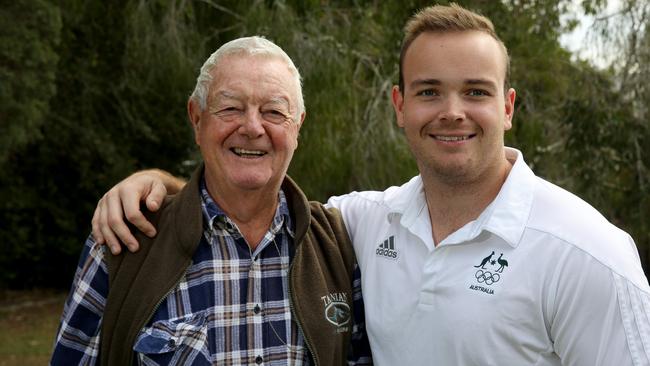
{"x": 91, "y": 91}
{"x": 28, "y": 62}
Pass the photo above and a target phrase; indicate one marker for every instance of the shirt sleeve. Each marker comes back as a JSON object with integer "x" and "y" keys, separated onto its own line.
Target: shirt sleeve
{"x": 359, "y": 351}
{"x": 599, "y": 316}
{"x": 77, "y": 339}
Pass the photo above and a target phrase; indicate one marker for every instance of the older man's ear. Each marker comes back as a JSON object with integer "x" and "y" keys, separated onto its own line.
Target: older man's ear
{"x": 194, "y": 117}
{"x": 302, "y": 118}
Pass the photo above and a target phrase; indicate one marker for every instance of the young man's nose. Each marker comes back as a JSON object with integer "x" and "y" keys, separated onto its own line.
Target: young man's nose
{"x": 452, "y": 109}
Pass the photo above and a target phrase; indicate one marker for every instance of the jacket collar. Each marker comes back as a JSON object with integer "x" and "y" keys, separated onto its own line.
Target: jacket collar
{"x": 188, "y": 214}
{"x": 299, "y": 208}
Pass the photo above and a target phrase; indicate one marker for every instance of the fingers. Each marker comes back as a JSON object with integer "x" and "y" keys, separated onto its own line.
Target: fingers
{"x": 114, "y": 219}
{"x": 131, "y": 201}
{"x": 156, "y": 196}
{"x": 96, "y": 231}
{"x": 123, "y": 201}
{"x": 105, "y": 230}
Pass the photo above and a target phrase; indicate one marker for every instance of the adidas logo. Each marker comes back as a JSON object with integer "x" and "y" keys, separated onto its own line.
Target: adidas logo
{"x": 387, "y": 248}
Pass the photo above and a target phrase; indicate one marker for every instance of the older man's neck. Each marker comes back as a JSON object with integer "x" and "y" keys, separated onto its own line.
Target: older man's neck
{"x": 252, "y": 211}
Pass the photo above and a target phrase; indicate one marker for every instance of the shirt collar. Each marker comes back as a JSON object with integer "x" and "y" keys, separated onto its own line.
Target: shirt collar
{"x": 505, "y": 216}
{"x": 508, "y": 214}
{"x": 408, "y": 202}
{"x": 215, "y": 217}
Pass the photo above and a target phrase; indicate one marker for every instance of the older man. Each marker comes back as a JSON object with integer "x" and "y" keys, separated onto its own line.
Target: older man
{"x": 245, "y": 270}
{"x": 476, "y": 261}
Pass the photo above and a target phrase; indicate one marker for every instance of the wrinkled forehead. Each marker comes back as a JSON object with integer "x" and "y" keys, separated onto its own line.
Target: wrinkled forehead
{"x": 255, "y": 69}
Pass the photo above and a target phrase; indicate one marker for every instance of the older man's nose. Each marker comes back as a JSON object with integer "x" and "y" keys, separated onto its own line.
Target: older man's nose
{"x": 251, "y": 125}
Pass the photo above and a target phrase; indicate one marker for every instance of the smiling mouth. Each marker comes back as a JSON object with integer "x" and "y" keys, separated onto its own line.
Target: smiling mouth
{"x": 244, "y": 153}
{"x": 453, "y": 138}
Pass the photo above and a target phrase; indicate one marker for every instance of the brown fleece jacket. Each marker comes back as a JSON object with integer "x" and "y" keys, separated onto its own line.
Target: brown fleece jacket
{"x": 322, "y": 266}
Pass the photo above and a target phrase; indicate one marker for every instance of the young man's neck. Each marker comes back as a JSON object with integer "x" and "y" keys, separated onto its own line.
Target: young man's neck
{"x": 452, "y": 205}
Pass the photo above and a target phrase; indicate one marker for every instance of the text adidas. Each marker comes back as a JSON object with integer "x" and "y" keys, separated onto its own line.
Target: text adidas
{"x": 387, "y": 248}
{"x": 386, "y": 253}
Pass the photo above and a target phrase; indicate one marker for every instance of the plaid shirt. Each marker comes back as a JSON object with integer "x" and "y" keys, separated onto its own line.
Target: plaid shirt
{"x": 231, "y": 306}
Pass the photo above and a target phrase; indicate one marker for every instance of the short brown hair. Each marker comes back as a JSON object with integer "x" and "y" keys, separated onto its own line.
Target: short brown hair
{"x": 444, "y": 19}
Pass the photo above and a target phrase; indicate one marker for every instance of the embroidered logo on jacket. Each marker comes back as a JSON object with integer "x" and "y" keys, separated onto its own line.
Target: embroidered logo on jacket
{"x": 490, "y": 275}
{"x": 337, "y": 310}
{"x": 387, "y": 249}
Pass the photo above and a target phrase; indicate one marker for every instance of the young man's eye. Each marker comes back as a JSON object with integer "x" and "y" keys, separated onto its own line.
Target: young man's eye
{"x": 477, "y": 93}
{"x": 427, "y": 93}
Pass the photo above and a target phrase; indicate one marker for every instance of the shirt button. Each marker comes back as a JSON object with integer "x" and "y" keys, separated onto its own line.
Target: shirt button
{"x": 259, "y": 360}
{"x": 171, "y": 343}
{"x": 257, "y": 309}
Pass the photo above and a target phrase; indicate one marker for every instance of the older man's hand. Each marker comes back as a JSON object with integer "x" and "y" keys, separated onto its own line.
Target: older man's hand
{"x": 123, "y": 200}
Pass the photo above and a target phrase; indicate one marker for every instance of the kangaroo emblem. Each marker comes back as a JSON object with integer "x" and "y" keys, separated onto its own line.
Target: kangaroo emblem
{"x": 486, "y": 260}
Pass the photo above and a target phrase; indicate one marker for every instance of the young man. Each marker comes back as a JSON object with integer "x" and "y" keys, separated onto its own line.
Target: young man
{"x": 476, "y": 261}
{"x": 243, "y": 270}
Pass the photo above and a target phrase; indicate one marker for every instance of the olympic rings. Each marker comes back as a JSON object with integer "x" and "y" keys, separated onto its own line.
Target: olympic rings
{"x": 487, "y": 277}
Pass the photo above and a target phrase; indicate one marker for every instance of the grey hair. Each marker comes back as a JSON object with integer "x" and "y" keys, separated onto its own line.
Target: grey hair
{"x": 255, "y": 45}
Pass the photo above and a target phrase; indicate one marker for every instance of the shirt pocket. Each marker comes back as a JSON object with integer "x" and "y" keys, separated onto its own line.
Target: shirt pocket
{"x": 182, "y": 341}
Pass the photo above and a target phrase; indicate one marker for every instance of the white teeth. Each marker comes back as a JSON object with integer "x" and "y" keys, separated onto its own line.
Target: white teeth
{"x": 451, "y": 138}
{"x": 240, "y": 152}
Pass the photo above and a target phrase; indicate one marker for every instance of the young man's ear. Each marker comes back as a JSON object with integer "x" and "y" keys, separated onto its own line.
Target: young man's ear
{"x": 510, "y": 97}
{"x": 398, "y": 105}
{"x": 194, "y": 115}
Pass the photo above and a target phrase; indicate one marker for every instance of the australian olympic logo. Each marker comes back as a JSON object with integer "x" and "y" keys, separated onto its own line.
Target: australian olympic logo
{"x": 486, "y": 277}
{"x": 489, "y": 272}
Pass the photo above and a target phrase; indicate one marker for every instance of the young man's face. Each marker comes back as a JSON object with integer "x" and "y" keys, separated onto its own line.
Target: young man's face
{"x": 249, "y": 130}
{"x": 453, "y": 107}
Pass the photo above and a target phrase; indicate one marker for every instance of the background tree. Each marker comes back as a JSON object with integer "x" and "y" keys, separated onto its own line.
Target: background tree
{"x": 92, "y": 91}
{"x": 625, "y": 33}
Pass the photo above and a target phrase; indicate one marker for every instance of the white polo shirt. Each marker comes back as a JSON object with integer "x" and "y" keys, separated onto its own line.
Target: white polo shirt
{"x": 539, "y": 278}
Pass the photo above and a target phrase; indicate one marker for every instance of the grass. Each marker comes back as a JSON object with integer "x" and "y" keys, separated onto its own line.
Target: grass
{"x": 28, "y": 322}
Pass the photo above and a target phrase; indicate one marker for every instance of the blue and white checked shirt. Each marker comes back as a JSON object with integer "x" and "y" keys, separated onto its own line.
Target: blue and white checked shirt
{"x": 231, "y": 306}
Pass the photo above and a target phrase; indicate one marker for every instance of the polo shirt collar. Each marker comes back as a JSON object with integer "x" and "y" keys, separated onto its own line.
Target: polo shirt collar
{"x": 505, "y": 216}
{"x": 508, "y": 214}
{"x": 407, "y": 202}
{"x": 408, "y": 206}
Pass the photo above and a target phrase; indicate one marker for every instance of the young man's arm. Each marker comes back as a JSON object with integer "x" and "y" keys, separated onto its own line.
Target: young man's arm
{"x": 600, "y": 314}
{"x": 123, "y": 201}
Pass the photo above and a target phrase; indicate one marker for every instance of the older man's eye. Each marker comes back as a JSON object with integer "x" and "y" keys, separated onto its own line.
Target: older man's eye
{"x": 223, "y": 110}
{"x": 229, "y": 113}
{"x": 275, "y": 116}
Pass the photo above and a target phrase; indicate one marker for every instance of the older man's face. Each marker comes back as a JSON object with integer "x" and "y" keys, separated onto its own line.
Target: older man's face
{"x": 249, "y": 130}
